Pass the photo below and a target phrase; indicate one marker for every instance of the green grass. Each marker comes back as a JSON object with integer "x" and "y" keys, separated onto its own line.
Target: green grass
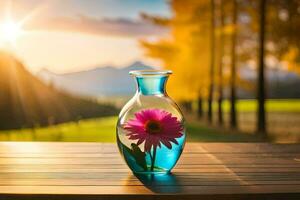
{"x": 103, "y": 129}
{"x": 92, "y": 130}
{"x": 283, "y": 105}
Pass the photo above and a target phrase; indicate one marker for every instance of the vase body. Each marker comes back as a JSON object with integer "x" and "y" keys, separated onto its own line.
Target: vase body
{"x": 150, "y": 129}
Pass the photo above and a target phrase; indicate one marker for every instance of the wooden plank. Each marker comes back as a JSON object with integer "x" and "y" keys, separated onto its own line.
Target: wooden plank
{"x": 109, "y": 169}
{"x": 103, "y": 182}
{"x": 114, "y": 161}
{"x": 134, "y": 190}
{"x": 126, "y": 175}
{"x": 9, "y": 153}
{"x": 96, "y": 170}
{"x": 233, "y": 148}
{"x": 215, "y": 148}
{"x": 112, "y": 154}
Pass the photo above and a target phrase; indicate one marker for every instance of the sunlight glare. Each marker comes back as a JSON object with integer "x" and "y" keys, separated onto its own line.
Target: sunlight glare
{"x": 9, "y": 31}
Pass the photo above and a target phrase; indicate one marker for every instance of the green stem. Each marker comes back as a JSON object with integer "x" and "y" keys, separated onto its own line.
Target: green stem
{"x": 153, "y": 159}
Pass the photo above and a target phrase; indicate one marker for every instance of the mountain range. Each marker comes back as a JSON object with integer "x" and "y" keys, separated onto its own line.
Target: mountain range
{"x": 110, "y": 81}
{"x": 97, "y": 82}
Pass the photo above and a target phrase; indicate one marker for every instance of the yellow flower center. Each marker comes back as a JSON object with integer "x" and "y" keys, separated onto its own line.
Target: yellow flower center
{"x": 153, "y": 126}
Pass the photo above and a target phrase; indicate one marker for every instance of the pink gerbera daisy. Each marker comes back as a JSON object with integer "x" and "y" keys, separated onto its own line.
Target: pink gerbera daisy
{"x": 154, "y": 126}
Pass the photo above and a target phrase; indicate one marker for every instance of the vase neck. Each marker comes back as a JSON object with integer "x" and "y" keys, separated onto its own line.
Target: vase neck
{"x": 151, "y": 85}
{"x": 151, "y": 82}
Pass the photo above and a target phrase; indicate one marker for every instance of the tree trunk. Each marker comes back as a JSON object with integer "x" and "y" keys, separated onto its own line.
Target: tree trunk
{"x": 261, "y": 119}
{"x": 187, "y": 105}
{"x": 220, "y": 99}
{"x": 233, "y": 121}
{"x": 212, "y": 63}
{"x": 200, "y": 107}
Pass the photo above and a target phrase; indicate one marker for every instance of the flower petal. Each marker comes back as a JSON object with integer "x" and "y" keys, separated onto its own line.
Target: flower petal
{"x": 171, "y": 129}
{"x": 167, "y": 144}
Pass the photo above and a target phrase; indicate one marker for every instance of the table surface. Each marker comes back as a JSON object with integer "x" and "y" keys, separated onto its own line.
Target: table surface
{"x": 52, "y": 170}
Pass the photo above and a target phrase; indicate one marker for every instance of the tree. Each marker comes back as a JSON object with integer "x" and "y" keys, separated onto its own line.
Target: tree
{"x": 212, "y": 62}
{"x": 233, "y": 120}
{"x": 200, "y": 107}
{"x": 261, "y": 116}
{"x": 184, "y": 51}
{"x": 283, "y": 32}
{"x": 220, "y": 66}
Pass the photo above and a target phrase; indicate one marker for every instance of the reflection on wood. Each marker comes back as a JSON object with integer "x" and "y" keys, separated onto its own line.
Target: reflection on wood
{"x": 95, "y": 171}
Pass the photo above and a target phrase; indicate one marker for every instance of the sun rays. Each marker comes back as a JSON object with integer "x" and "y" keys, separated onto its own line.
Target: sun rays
{"x": 11, "y": 29}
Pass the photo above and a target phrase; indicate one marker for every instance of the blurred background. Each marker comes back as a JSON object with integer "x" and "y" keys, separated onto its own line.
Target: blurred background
{"x": 64, "y": 66}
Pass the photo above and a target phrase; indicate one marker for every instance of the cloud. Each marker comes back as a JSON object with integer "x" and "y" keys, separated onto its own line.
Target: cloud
{"x": 84, "y": 24}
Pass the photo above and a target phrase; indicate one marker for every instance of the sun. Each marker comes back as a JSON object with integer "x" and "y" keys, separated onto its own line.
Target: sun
{"x": 10, "y": 31}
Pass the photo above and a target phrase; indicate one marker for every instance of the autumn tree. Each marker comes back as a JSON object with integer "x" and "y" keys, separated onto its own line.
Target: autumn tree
{"x": 220, "y": 64}
{"x": 283, "y": 32}
{"x": 185, "y": 50}
{"x": 212, "y": 62}
{"x": 261, "y": 121}
{"x": 233, "y": 120}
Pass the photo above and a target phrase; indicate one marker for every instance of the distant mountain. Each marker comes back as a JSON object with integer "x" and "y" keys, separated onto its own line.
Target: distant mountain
{"x": 25, "y": 101}
{"x": 110, "y": 81}
{"x": 97, "y": 82}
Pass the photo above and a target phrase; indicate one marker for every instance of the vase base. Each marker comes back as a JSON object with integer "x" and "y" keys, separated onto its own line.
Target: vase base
{"x": 152, "y": 172}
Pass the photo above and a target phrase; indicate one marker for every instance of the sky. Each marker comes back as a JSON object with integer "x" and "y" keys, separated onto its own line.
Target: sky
{"x": 73, "y": 35}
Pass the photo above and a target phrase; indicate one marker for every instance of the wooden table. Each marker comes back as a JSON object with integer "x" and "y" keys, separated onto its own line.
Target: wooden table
{"x": 96, "y": 171}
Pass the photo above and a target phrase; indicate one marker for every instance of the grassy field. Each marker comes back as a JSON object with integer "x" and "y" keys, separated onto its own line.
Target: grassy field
{"x": 283, "y": 118}
{"x": 92, "y": 130}
{"x": 283, "y": 121}
{"x": 278, "y": 105}
{"x": 103, "y": 130}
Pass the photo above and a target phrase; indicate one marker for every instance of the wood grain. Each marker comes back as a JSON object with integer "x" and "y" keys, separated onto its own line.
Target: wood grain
{"x": 45, "y": 170}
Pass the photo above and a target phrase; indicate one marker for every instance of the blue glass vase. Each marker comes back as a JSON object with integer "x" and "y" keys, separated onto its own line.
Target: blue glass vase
{"x": 150, "y": 129}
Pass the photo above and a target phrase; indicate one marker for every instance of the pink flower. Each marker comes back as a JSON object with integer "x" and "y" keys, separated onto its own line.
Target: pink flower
{"x": 154, "y": 126}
